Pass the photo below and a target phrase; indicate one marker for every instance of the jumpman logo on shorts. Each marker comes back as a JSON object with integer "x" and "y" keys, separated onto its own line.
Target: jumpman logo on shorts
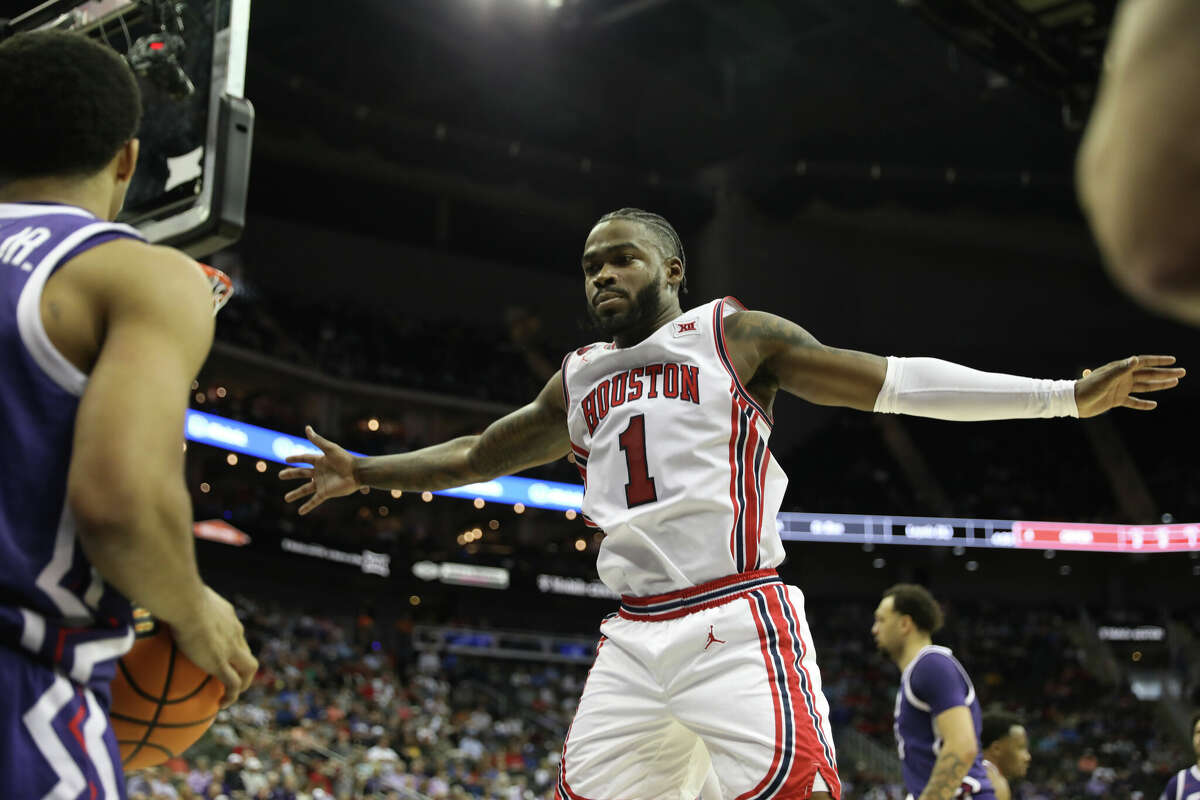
{"x": 712, "y": 639}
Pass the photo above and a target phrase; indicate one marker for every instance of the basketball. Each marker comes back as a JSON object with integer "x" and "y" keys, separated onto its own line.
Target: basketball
{"x": 161, "y": 702}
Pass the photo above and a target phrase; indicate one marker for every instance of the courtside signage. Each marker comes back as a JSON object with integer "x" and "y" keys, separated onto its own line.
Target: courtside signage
{"x": 369, "y": 562}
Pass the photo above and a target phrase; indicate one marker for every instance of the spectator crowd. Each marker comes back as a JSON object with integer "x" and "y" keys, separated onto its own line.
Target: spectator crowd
{"x": 336, "y": 713}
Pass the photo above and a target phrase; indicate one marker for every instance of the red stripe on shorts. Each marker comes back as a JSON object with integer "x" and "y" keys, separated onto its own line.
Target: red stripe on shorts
{"x": 775, "y": 699}
{"x": 809, "y": 747}
{"x": 563, "y": 786}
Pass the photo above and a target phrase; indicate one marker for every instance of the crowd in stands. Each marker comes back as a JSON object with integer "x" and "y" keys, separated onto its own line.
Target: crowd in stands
{"x": 336, "y": 713}
{"x": 340, "y": 710}
{"x": 406, "y": 528}
{"x": 999, "y": 471}
{"x": 503, "y": 362}
{"x": 1089, "y": 739}
{"x": 1007, "y": 470}
{"x": 1022, "y": 470}
{"x": 1025, "y": 469}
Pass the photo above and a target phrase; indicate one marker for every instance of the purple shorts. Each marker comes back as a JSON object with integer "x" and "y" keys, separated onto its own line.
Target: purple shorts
{"x": 55, "y": 740}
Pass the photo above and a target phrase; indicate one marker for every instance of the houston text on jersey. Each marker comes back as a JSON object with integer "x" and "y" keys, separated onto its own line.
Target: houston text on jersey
{"x": 672, "y": 381}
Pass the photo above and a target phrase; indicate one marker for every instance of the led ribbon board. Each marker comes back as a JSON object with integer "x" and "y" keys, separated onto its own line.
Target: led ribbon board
{"x": 264, "y": 443}
{"x": 999, "y": 533}
{"x": 270, "y": 445}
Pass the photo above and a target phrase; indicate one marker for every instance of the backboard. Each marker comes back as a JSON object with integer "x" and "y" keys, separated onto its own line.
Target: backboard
{"x": 190, "y": 58}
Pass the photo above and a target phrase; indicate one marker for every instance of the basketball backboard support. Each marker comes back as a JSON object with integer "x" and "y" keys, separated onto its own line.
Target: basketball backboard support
{"x": 190, "y": 57}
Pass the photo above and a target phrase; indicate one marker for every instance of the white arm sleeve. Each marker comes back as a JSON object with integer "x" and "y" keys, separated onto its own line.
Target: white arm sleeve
{"x": 930, "y": 387}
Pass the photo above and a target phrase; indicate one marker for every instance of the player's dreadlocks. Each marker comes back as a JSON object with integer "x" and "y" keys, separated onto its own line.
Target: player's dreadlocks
{"x": 668, "y": 239}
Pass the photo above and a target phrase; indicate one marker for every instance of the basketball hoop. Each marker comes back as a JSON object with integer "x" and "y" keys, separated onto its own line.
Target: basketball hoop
{"x": 222, "y": 286}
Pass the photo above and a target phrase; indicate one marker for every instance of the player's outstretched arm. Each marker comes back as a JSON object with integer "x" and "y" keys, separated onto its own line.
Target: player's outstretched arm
{"x": 800, "y": 365}
{"x": 956, "y": 729}
{"x": 532, "y": 435}
{"x": 764, "y": 345}
{"x": 125, "y": 485}
{"x": 1138, "y": 169}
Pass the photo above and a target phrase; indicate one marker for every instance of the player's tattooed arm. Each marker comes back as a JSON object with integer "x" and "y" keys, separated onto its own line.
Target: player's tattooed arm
{"x": 956, "y": 728}
{"x": 765, "y": 347}
{"x": 946, "y": 778}
{"x": 532, "y": 435}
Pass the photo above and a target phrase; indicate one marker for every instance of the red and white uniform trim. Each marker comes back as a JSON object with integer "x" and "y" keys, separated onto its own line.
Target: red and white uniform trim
{"x": 688, "y": 601}
{"x": 722, "y": 675}
{"x": 669, "y": 421}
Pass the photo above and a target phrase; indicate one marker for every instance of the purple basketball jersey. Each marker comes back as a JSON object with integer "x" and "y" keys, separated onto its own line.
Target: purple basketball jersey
{"x": 53, "y": 606}
{"x": 1184, "y": 785}
{"x": 61, "y": 628}
{"x": 932, "y": 683}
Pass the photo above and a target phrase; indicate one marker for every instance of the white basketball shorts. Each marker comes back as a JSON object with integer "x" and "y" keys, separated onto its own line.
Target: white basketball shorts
{"x": 722, "y": 673}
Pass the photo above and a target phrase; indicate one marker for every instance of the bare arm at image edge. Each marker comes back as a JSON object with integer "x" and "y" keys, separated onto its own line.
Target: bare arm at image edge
{"x": 1138, "y": 170}
{"x": 956, "y": 729}
{"x": 125, "y": 486}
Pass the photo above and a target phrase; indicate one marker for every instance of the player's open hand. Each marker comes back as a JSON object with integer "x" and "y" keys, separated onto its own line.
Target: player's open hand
{"x": 1116, "y": 383}
{"x": 331, "y": 473}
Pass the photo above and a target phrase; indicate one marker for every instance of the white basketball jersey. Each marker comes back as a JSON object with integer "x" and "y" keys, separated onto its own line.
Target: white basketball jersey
{"x": 674, "y": 457}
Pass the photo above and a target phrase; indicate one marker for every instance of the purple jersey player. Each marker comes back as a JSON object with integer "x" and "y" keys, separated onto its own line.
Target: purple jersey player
{"x": 101, "y": 335}
{"x": 1185, "y": 784}
{"x": 1006, "y": 753}
{"x": 937, "y": 717}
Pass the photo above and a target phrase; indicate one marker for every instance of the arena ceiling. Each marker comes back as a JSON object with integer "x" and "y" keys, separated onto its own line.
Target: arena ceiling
{"x": 508, "y": 120}
{"x": 676, "y": 85}
{"x": 557, "y": 109}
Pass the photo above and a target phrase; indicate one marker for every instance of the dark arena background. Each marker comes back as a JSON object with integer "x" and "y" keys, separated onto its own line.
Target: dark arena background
{"x": 897, "y": 177}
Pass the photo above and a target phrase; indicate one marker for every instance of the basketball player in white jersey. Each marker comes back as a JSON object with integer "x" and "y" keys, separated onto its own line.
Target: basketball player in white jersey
{"x": 101, "y": 335}
{"x": 668, "y": 422}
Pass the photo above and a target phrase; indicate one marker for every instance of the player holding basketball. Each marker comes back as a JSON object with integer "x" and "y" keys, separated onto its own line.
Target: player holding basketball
{"x": 668, "y": 424}
{"x": 101, "y": 336}
{"x": 937, "y": 718}
{"x": 1006, "y": 754}
{"x": 1185, "y": 784}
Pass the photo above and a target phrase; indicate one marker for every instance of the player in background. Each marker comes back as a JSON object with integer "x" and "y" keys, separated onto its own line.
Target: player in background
{"x": 669, "y": 425}
{"x": 101, "y": 335}
{"x": 1185, "y": 784}
{"x": 937, "y": 717}
{"x": 1006, "y": 754}
{"x": 1138, "y": 170}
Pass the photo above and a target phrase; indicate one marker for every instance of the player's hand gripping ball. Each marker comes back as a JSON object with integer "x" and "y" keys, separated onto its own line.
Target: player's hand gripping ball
{"x": 161, "y": 702}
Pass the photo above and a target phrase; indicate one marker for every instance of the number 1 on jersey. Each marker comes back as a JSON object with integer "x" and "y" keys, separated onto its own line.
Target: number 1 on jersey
{"x": 640, "y": 489}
